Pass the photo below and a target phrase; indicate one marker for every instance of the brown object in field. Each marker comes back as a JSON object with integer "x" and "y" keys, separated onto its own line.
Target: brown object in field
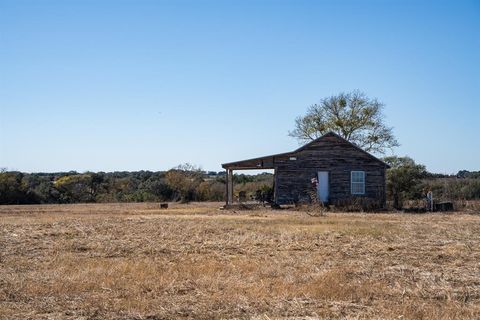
{"x": 443, "y": 206}
{"x": 163, "y": 205}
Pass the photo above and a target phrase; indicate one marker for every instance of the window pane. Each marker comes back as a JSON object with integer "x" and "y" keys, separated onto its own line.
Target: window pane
{"x": 358, "y": 176}
{"x": 358, "y": 182}
{"x": 357, "y": 188}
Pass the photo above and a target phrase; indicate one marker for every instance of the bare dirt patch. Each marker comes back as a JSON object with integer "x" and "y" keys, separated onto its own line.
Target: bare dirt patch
{"x": 137, "y": 261}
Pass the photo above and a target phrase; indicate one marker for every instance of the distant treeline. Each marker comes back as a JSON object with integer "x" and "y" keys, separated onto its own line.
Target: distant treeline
{"x": 184, "y": 183}
{"x": 405, "y": 181}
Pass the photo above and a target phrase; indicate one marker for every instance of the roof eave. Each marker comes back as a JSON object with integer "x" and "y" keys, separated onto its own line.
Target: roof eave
{"x": 232, "y": 164}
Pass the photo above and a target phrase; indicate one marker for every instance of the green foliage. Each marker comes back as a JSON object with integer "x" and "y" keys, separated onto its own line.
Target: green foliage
{"x": 403, "y": 179}
{"x": 211, "y": 190}
{"x": 184, "y": 180}
{"x": 406, "y": 180}
{"x": 183, "y": 183}
{"x": 242, "y": 178}
{"x": 353, "y": 116}
{"x": 72, "y": 187}
{"x": 45, "y": 192}
{"x": 468, "y": 174}
{"x": 247, "y": 185}
{"x": 264, "y": 194}
{"x": 13, "y": 189}
{"x": 454, "y": 188}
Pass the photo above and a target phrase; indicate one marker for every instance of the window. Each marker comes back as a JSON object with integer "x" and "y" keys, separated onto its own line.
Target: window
{"x": 358, "y": 182}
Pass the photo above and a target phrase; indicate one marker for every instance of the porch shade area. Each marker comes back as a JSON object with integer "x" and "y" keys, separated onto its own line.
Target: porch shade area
{"x": 267, "y": 162}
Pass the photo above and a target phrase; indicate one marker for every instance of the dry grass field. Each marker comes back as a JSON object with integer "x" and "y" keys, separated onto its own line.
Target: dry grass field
{"x": 136, "y": 261}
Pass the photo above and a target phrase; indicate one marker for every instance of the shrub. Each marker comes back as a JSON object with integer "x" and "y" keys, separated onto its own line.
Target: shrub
{"x": 356, "y": 204}
{"x": 264, "y": 194}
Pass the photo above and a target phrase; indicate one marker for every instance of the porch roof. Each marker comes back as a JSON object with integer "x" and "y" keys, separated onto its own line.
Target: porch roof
{"x": 265, "y": 162}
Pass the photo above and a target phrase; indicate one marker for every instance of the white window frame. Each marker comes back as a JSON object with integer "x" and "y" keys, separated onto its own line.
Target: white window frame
{"x": 361, "y": 183}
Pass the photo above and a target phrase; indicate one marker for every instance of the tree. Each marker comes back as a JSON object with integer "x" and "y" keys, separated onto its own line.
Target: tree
{"x": 13, "y": 189}
{"x": 157, "y": 186}
{"x": 468, "y": 174}
{"x": 46, "y": 192}
{"x": 184, "y": 180}
{"x": 353, "y": 116}
{"x": 40, "y": 188}
{"x": 211, "y": 190}
{"x": 75, "y": 188}
{"x": 403, "y": 179}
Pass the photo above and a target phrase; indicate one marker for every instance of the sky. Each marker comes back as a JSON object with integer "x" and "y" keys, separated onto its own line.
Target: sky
{"x": 97, "y": 85}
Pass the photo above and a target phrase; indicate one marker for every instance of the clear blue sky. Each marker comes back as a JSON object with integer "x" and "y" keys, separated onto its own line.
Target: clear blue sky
{"x": 131, "y": 85}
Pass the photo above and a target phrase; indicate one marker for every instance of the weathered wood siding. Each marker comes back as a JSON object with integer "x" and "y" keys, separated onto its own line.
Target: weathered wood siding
{"x": 339, "y": 158}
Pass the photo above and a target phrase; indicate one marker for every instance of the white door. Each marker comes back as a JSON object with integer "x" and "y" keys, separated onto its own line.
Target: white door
{"x": 322, "y": 188}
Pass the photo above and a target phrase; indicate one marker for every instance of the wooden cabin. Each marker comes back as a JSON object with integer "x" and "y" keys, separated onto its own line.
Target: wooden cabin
{"x": 331, "y": 168}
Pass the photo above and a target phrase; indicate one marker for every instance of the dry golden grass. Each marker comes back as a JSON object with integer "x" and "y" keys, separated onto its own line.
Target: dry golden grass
{"x": 136, "y": 261}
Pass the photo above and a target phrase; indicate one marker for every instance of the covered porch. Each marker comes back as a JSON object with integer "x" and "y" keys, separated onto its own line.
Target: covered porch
{"x": 266, "y": 162}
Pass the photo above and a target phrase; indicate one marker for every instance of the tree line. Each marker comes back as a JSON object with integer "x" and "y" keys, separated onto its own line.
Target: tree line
{"x": 184, "y": 183}
{"x": 406, "y": 180}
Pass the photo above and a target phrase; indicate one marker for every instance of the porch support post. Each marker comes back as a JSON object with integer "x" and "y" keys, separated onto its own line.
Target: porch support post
{"x": 226, "y": 187}
{"x": 230, "y": 186}
{"x": 274, "y": 186}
